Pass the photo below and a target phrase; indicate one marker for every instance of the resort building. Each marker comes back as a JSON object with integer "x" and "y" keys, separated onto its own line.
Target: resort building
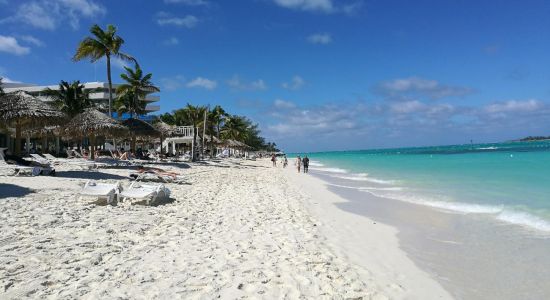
{"x": 98, "y": 92}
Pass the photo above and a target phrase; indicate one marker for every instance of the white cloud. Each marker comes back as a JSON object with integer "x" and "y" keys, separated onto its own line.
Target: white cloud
{"x": 296, "y": 83}
{"x": 320, "y": 38}
{"x": 50, "y": 14}
{"x": 171, "y": 41}
{"x": 188, "y": 2}
{"x": 307, "y": 5}
{"x": 282, "y": 104}
{"x": 164, "y": 18}
{"x": 8, "y": 80}
{"x": 407, "y": 107}
{"x": 320, "y": 6}
{"x": 513, "y": 106}
{"x": 402, "y": 123}
{"x": 201, "y": 82}
{"x": 313, "y": 121}
{"x": 120, "y": 64}
{"x": 236, "y": 83}
{"x": 10, "y": 45}
{"x": 32, "y": 40}
{"x": 420, "y": 86}
{"x": 172, "y": 83}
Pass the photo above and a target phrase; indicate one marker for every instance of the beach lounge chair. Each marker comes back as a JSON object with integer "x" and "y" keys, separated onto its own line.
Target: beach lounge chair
{"x": 74, "y": 161}
{"x": 99, "y": 190}
{"x": 16, "y": 169}
{"x": 148, "y": 192}
{"x": 39, "y": 159}
{"x": 154, "y": 177}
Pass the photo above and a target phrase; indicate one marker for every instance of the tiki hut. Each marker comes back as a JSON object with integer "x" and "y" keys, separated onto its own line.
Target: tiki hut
{"x": 92, "y": 123}
{"x": 24, "y": 111}
{"x": 165, "y": 130}
{"x": 140, "y": 128}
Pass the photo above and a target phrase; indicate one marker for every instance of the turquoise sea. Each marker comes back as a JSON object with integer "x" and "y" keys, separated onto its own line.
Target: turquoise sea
{"x": 508, "y": 181}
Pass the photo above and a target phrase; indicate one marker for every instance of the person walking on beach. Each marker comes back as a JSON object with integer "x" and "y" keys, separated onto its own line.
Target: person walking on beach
{"x": 274, "y": 160}
{"x": 285, "y": 162}
{"x": 306, "y": 164}
{"x": 298, "y": 163}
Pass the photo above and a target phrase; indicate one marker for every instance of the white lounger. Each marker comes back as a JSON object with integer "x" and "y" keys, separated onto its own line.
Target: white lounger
{"x": 153, "y": 177}
{"x": 148, "y": 192}
{"x": 16, "y": 169}
{"x": 40, "y": 159}
{"x": 108, "y": 191}
{"x": 79, "y": 162}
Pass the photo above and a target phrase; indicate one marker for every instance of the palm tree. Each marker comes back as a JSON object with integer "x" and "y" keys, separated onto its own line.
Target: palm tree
{"x": 102, "y": 43}
{"x": 132, "y": 93}
{"x": 217, "y": 116}
{"x": 71, "y": 98}
{"x": 194, "y": 116}
{"x": 235, "y": 128}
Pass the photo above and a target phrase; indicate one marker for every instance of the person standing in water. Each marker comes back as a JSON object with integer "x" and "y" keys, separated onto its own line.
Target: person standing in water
{"x": 298, "y": 163}
{"x": 306, "y": 164}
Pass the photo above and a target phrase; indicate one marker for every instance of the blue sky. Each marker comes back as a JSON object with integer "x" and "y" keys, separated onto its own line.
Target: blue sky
{"x": 315, "y": 74}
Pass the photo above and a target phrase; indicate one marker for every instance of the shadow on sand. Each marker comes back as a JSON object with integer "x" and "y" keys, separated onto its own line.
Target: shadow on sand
{"x": 88, "y": 175}
{"x": 103, "y": 202}
{"x": 11, "y": 190}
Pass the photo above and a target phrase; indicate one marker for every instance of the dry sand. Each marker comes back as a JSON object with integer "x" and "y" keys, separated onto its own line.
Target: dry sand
{"x": 237, "y": 229}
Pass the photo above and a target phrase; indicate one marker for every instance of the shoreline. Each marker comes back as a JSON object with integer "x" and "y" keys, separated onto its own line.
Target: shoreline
{"x": 364, "y": 242}
{"x": 471, "y": 255}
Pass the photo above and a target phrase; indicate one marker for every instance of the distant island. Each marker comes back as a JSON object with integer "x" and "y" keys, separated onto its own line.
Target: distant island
{"x": 534, "y": 138}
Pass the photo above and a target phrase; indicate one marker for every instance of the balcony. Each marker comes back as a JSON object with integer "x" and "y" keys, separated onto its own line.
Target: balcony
{"x": 184, "y": 131}
{"x": 151, "y": 108}
{"x": 105, "y": 95}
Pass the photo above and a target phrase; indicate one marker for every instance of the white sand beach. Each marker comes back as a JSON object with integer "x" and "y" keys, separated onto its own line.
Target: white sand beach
{"x": 235, "y": 229}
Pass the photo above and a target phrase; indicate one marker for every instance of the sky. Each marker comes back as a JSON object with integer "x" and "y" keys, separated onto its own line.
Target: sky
{"x": 316, "y": 75}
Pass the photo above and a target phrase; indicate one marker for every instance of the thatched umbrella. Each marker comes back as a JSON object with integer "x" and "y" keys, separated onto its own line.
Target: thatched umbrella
{"x": 165, "y": 130}
{"x": 24, "y": 110}
{"x": 141, "y": 128}
{"x": 92, "y": 123}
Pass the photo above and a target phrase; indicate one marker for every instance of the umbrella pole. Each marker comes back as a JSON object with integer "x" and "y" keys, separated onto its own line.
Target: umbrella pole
{"x": 28, "y": 144}
{"x": 45, "y": 144}
{"x": 57, "y": 145}
{"x": 92, "y": 146}
{"x": 18, "y": 138}
{"x": 133, "y": 146}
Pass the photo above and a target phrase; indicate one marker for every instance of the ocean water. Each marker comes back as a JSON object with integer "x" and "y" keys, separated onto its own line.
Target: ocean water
{"x": 509, "y": 182}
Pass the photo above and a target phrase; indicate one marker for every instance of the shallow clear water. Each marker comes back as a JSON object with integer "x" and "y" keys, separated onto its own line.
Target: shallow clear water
{"x": 508, "y": 181}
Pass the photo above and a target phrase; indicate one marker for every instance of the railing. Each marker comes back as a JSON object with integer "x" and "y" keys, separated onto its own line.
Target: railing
{"x": 184, "y": 131}
{"x": 152, "y": 107}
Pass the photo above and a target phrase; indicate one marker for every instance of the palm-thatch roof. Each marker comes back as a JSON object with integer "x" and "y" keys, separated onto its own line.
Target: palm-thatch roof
{"x": 140, "y": 128}
{"x": 210, "y": 138}
{"x": 94, "y": 122}
{"x": 22, "y": 107}
{"x": 235, "y": 144}
{"x": 164, "y": 128}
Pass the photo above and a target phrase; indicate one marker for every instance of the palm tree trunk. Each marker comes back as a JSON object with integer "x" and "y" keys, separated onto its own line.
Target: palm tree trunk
{"x": 18, "y": 138}
{"x": 133, "y": 145}
{"x": 92, "y": 146}
{"x": 194, "y": 143}
{"x": 110, "y": 84}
